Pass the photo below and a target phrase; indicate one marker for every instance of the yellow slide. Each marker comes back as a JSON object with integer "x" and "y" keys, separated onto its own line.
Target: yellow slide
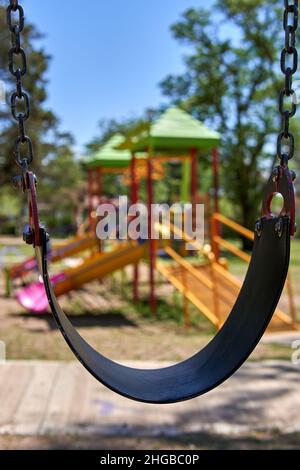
{"x": 74, "y": 246}
{"x": 99, "y": 265}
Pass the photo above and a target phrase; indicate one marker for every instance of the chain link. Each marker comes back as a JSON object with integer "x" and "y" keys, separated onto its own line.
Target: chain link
{"x": 18, "y": 68}
{"x": 289, "y": 66}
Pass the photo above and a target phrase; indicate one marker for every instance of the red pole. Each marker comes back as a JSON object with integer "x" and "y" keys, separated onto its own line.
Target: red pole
{"x": 216, "y": 231}
{"x": 90, "y": 197}
{"x": 134, "y": 200}
{"x": 99, "y": 185}
{"x": 152, "y": 250}
{"x": 194, "y": 175}
{"x": 194, "y": 183}
{"x": 99, "y": 182}
{"x": 216, "y": 177}
{"x": 134, "y": 184}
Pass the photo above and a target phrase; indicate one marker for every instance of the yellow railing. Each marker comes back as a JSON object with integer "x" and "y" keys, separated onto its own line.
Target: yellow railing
{"x": 218, "y": 241}
{"x": 212, "y": 279}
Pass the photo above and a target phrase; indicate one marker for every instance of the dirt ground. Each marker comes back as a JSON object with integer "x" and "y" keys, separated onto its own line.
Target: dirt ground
{"x": 115, "y": 327}
{"x": 105, "y": 315}
{"x": 261, "y": 441}
{"x": 121, "y": 330}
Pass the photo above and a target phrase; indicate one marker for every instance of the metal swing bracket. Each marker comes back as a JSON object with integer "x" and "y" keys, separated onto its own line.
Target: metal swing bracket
{"x": 281, "y": 182}
{"x": 32, "y": 234}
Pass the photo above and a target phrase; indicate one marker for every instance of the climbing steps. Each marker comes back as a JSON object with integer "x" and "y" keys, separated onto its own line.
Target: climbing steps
{"x": 199, "y": 289}
{"x": 209, "y": 286}
{"x": 213, "y": 291}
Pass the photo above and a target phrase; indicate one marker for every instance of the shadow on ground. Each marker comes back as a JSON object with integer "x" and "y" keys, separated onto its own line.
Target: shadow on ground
{"x": 85, "y": 320}
{"x": 201, "y": 441}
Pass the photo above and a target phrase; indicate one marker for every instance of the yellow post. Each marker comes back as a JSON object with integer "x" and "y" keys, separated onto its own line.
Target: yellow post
{"x": 292, "y": 306}
{"x": 215, "y": 294}
{"x": 214, "y": 234}
{"x": 186, "y": 310}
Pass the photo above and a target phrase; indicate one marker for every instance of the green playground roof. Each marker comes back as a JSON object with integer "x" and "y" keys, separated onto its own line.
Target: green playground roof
{"x": 175, "y": 130}
{"x": 110, "y": 157}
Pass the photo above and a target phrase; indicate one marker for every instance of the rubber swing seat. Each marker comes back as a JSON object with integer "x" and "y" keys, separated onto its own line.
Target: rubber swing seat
{"x": 225, "y": 353}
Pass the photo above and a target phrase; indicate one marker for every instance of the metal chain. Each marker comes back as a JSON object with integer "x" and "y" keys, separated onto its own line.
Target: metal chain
{"x": 289, "y": 65}
{"x": 19, "y": 98}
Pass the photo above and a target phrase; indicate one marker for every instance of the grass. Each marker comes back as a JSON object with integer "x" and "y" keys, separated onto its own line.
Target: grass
{"x": 10, "y": 255}
{"x": 126, "y": 331}
{"x": 120, "y": 328}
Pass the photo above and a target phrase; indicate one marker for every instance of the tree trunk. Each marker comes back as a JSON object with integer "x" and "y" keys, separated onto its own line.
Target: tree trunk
{"x": 249, "y": 216}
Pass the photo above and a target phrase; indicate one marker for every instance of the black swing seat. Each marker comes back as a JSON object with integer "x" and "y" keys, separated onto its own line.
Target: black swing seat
{"x": 225, "y": 353}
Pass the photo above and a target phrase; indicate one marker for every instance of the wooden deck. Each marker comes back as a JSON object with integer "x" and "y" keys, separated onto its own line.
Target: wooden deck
{"x": 59, "y": 398}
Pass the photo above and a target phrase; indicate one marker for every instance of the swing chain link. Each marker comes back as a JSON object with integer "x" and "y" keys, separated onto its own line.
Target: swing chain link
{"x": 289, "y": 66}
{"x": 16, "y": 22}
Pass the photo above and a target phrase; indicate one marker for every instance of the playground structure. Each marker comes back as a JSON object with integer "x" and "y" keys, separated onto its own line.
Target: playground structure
{"x": 264, "y": 282}
{"x": 177, "y": 138}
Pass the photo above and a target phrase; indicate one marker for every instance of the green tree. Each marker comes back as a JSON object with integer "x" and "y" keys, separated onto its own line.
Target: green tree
{"x": 109, "y": 127}
{"x": 63, "y": 188}
{"x": 42, "y": 125}
{"x": 232, "y": 82}
{"x": 59, "y": 174}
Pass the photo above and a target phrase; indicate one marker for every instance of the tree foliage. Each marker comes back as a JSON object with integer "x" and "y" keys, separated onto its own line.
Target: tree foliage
{"x": 42, "y": 124}
{"x": 58, "y": 171}
{"x": 232, "y": 81}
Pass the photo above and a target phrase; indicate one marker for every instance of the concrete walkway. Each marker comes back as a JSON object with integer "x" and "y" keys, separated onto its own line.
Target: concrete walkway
{"x": 285, "y": 338}
{"x": 46, "y": 398}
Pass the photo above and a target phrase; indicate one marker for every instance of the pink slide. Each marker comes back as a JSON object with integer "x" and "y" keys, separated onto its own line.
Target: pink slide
{"x": 33, "y": 298}
{"x": 30, "y": 265}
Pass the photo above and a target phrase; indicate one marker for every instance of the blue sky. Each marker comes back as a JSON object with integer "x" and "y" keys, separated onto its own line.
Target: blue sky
{"x": 107, "y": 60}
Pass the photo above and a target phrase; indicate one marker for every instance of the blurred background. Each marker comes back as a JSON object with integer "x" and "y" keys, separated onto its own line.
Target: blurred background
{"x": 98, "y": 77}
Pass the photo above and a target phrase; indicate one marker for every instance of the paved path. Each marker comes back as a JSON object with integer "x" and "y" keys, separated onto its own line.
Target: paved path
{"x": 42, "y": 398}
{"x": 284, "y": 338}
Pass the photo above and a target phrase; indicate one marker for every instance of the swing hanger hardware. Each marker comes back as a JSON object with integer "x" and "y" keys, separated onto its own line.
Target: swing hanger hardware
{"x": 279, "y": 227}
{"x": 258, "y": 228}
{"x": 20, "y": 110}
{"x": 280, "y": 182}
{"x": 32, "y": 234}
